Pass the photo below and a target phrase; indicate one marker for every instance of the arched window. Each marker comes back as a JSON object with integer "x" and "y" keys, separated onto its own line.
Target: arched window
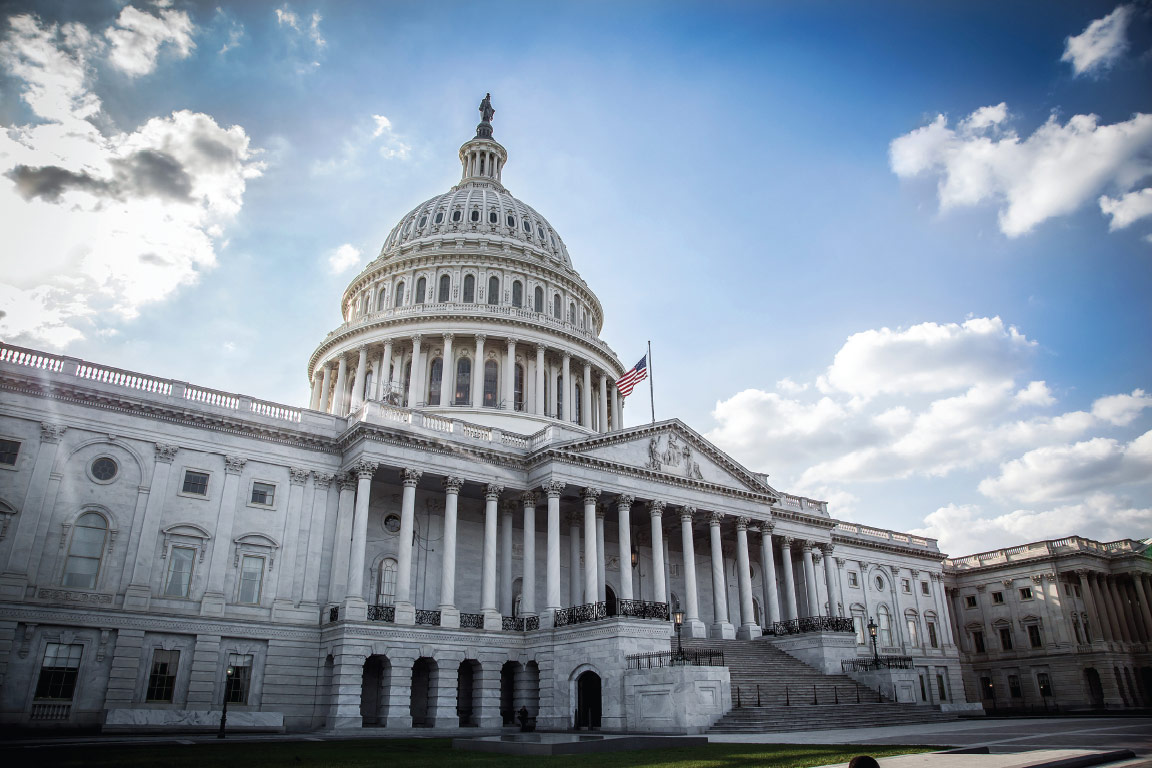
{"x": 517, "y": 293}
{"x": 491, "y": 383}
{"x": 386, "y": 582}
{"x": 469, "y": 289}
{"x": 885, "y": 621}
{"x": 421, "y": 286}
{"x": 476, "y": 212}
{"x": 572, "y": 314}
{"x": 445, "y": 287}
{"x": 912, "y": 621}
{"x": 464, "y": 381}
{"x": 368, "y": 385}
{"x": 519, "y": 387}
{"x": 859, "y": 624}
{"x": 439, "y": 217}
{"x": 556, "y": 306}
{"x": 577, "y": 402}
{"x": 85, "y": 551}
{"x": 493, "y": 290}
{"x": 408, "y": 382}
{"x": 399, "y": 300}
{"x": 559, "y": 394}
{"x": 538, "y": 304}
{"x": 435, "y": 379}
{"x": 380, "y": 300}
{"x": 492, "y": 217}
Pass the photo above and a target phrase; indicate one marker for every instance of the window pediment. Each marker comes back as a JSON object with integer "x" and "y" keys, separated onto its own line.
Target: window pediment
{"x": 254, "y": 544}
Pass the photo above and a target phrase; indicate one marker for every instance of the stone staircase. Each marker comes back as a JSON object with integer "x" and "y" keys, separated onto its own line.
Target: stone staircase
{"x": 772, "y": 691}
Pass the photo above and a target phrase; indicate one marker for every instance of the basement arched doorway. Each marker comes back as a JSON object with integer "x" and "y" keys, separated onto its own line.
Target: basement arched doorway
{"x": 588, "y": 700}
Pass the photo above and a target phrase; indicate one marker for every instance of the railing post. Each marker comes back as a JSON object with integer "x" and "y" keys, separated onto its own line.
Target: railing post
{"x": 835, "y": 695}
{"x": 758, "y": 694}
{"x": 787, "y": 699}
{"x": 857, "y": 693}
{"x": 815, "y": 699}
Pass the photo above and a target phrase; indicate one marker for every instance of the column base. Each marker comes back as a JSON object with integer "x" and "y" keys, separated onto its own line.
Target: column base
{"x": 722, "y": 631}
{"x": 405, "y": 614}
{"x": 548, "y": 618}
{"x": 284, "y": 610}
{"x": 398, "y": 721}
{"x": 450, "y": 616}
{"x": 493, "y": 620}
{"x": 694, "y": 628}
{"x": 489, "y": 721}
{"x": 355, "y": 609}
{"x": 13, "y": 586}
{"x": 343, "y": 723}
{"x": 137, "y": 597}
{"x": 212, "y": 604}
{"x": 749, "y": 632}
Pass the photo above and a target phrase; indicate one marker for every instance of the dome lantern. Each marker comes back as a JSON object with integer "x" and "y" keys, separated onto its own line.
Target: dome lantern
{"x": 482, "y": 158}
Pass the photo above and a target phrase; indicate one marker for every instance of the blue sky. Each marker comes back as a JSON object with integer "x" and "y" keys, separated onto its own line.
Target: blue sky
{"x": 897, "y": 255}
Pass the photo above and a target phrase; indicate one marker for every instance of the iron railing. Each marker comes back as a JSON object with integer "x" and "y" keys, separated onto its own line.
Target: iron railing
{"x": 642, "y": 609}
{"x": 579, "y": 614}
{"x": 427, "y": 618}
{"x": 871, "y": 665}
{"x": 520, "y": 623}
{"x": 381, "y": 613}
{"x": 811, "y": 624}
{"x": 693, "y": 657}
{"x": 471, "y": 621}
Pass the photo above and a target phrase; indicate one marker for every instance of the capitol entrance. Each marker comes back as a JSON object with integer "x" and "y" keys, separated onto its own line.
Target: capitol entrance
{"x": 588, "y": 701}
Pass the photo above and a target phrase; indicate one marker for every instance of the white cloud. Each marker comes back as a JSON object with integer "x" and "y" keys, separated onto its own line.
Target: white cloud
{"x": 137, "y": 36}
{"x": 305, "y": 37}
{"x": 1101, "y": 43}
{"x": 1127, "y": 209}
{"x": 791, "y": 387}
{"x": 1053, "y": 172}
{"x": 1121, "y": 410}
{"x": 343, "y": 258}
{"x": 100, "y": 225}
{"x": 967, "y": 529}
{"x": 285, "y": 17}
{"x": 314, "y": 31}
{"x": 349, "y": 160}
{"x": 929, "y": 357}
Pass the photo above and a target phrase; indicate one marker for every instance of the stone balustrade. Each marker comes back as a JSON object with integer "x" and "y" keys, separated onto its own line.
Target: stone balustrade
{"x": 1068, "y": 545}
{"x": 865, "y": 532}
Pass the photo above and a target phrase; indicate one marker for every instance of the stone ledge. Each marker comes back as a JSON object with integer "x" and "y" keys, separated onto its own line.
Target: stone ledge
{"x": 189, "y": 720}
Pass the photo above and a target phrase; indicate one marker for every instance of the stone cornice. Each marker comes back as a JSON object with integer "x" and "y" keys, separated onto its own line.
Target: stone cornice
{"x": 1101, "y": 561}
{"x": 886, "y": 546}
{"x": 799, "y": 517}
{"x": 365, "y": 432}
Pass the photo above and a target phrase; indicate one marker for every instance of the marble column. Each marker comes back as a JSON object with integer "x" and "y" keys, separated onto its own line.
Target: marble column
{"x": 693, "y": 626}
{"x": 810, "y": 580}
{"x": 506, "y": 558}
{"x": 601, "y": 560}
{"x": 1142, "y": 605}
{"x": 405, "y": 608}
{"x": 528, "y": 584}
{"x": 326, "y": 389}
{"x": 214, "y": 599}
{"x": 539, "y": 399}
{"x": 830, "y": 579}
{"x": 319, "y": 521}
{"x": 414, "y": 388}
{"x": 624, "y": 538}
{"x": 478, "y": 373}
{"x": 449, "y": 613}
{"x": 1115, "y": 605}
{"x": 1104, "y": 600}
{"x": 1120, "y": 592}
{"x": 448, "y": 375}
{"x": 358, "y": 381}
{"x": 139, "y": 592}
{"x": 768, "y": 567}
{"x": 384, "y": 380}
{"x": 575, "y": 588}
{"x": 317, "y": 383}
{"x": 566, "y": 399}
{"x": 510, "y": 376}
{"x": 339, "y": 405}
{"x": 1096, "y": 624}
{"x": 790, "y": 607}
{"x": 659, "y": 585}
{"x": 492, "y": 618}
{"x": 721, "y": 626}
{"x": 586, "y": 397}
{"x": 354, "y": 602}
{"x": 602, "y": 414}
{"x": 591, "y": 569}
{"x": 552, "y": 489}
{"x": 285, "y": 598}
{"x": 748, "y": 626}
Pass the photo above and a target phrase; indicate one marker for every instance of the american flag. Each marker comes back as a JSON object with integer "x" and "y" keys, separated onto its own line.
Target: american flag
{"x": 629, "y": 380}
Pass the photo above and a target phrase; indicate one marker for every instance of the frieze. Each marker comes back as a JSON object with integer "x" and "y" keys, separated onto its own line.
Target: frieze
{"x": 674, "y": 455}
{"x": 73, "y": 597}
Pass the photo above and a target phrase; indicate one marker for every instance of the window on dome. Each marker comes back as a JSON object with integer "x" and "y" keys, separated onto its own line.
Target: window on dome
{"x": 517, "y": 293}
{"x": 421, "y": 287}
{"x": 445, "y": 287}
{"x": 519, "y": 394}
{"x": 456, "y": 215}
{"x": 527, "y": 227}
{"x": 492, "y": 217}
{"x": 538, "y": 304}
{"x": 572, "y": 313}
{"x": 556, "y": 306}
{"x": 399, "y": 301}
{"x": 491, "y": 382}
{"x": 577, "y": 401}
{"x": 463, "y": 381}
{"x": 423, "y": 221}
{"x": 380, "y": 300}
{"x": 559, "y": 395}
{"x": 469, "y": 289}
{"x": 511, "y": 220}
{"x": 435, "y": 379}
{"x": 553, "y": 239}
{"x": 407, "y": 382}
{"x": 493, "y": 290}
{"x": 475, "y": 215}
{"x": 439, "y": 217}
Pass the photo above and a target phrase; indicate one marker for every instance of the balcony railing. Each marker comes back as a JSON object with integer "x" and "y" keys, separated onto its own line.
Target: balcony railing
{"x": 520, "y": 623}
{"x": 692, "y": 657}
{"x": 871, "y": 665}
{"x": 580, "y": 614}
{"x": 51, "y": 711}
{"x": 471, "y": 621}
{"x": 642, "y": 609}
{"x": 427, "y": 618}
{"x": 811, "y": 624}
{"x": 381, "y": 613}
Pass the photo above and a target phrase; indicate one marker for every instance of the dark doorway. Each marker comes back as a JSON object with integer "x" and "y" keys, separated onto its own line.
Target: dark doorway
{"x": 422, "y": 672}
{"x": 1095, "y": 689}
{"x": 508, "y": 674}
{"x": 609, "y": 600}
{"x": 588, "y": 700}
{"x": 466, "y": 705}
{"x": 374, "y": 691}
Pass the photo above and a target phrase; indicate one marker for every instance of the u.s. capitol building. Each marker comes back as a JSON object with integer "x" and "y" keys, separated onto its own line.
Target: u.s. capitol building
{"x": 459, "y": 527}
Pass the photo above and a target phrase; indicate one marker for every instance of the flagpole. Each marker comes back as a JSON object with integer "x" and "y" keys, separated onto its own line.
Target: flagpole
{"x": 651, "y": 388}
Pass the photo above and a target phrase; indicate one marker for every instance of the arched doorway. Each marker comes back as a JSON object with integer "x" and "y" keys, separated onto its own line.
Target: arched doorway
{"x": 374, "y": 691}
{"x": 609, "y": 600}
{"x": 508, "y": 674}
{"x": 422, "y": 673}
{"x": 467, "y": 703}
{"x": 1095, "y": 689}
{"x": 588, "y": 700}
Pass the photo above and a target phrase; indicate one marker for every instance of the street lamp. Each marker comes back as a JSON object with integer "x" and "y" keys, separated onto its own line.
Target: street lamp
{"x": 678, "y": 620}
{"x": 635, "y": 557}
{"x": 227, "y": 694}
{"x": 872, "y": 634}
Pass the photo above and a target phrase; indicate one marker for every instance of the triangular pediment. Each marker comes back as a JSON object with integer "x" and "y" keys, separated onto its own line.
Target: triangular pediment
{"x": 670, "y": 448}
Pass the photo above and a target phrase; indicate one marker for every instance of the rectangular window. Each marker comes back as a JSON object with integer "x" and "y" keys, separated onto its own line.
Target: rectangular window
{"x": 251, "y": 579}
{"x": 978, "y": 641}
{"x": 237, "y": 686}
{"x": 58, "y": 672}
{"x": 924, "y": 588}
{"x": 162, "y": 678}
{"x": 1034, "y": 636}
{"x": 906, "y": 586}
{"x": 1044, "y": 683}
{"x": 263, "y": 494}
{"x": 1005, "y": 638}
{"x": 1014, "y": 687}
{"x": 932, "y": 639}
{"x": 941, "y": 691}
{"x": 195, "y": 483}
{"x": 9, "y": 451}
{"x": 853, "y": 579}
{"x": 969, "y": 601}
{"x": 180, "y": 561}
{"x": 1076, "y": 587}
{"x": 1067, "y": 589}
{"x": 913, "y": 638}
{"x": 998, "y": 598}
{"x": 1026, "y": 593}
{"x": 858, "y": 624}
{"x": 986, "y": 688}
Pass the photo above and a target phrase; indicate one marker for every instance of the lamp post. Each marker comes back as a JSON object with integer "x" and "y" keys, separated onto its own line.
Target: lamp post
{"x": 639, "y": 574}
{"x": 227, "y": 694}
{"x": 872, "y": 634}
{"x": 678, "y": 620}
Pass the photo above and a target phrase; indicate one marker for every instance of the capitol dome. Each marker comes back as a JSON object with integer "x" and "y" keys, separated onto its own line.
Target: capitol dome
{"x": 472, "y": 310}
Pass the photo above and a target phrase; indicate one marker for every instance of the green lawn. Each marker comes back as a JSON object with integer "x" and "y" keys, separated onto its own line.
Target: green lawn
{"x": 409, "y": 753}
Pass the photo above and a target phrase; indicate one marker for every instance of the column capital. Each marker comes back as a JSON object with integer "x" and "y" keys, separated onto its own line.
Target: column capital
{"x": 590, "y": 494}
{"x": 656, "y": 508}
{"x": 513, "y": 341}
{"x": 786, "y": 542}
{"x": 529, "y": 498}
{"x": 493, "y": 491}
{"x": 388, "y": 340}
{"x": 448, "y": 337}
{"x": 553, "y": 488}
{"x": 346, "y": 482}
{"x": 297, "y": 476}
{"x": 481, "y": 338}
{"x": 575, "y": 519}
{"x": 601, "y": 512}
{"x": 365, "y": 469}
{"x": 416, "y": 337}
{"x": 895, "y": 570}
{"x": 828, "y": 548}
{"x": 323, "y": 480}
{"x": 453, "y": 484}
{"x": 588, "y": 367}
{"x": 565, "y": 355}
{"x": 409, "y": 477}
{"x": 541, "y": 349}
{"x": 51, "y": 433}
{"x": 624, "y": 501}
{"x": 715, "y": 518}
{"x": 767, "y": 527}
{"x": 166, "y": 453}
{"x": 362, "y": 350}
{"x": 742, "y": 523}
{"x": 234, "y": 465}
